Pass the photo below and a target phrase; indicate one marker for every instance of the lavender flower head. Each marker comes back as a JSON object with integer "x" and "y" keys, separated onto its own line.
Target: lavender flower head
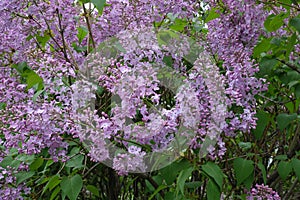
{"x": 131, "y": 72}
{"x": 262, "y": 192}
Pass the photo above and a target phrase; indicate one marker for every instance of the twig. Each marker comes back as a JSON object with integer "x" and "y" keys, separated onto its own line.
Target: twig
{"x": 290, "y": 5}
{"x": 86, "y": 15}
{"x": 61, "y": 31}
{"x": 91, "y": 169}
{"x": 290, "y": 192}
{"x": 293, "y": 67}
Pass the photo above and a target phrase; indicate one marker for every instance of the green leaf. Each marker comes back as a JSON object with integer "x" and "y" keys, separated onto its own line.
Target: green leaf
{"x": 84, "y": 1}
{"x": 100, "y": 90}
{"x": 266, "y": 65}
{"x": 293, "y": 83}
{"x": 214, "y": 172}
{"x": 276, "y": 42}
{"x": 9, "y": 161}
{"x": 291, "y": 45}
{"x": 22, "y": 176}
{"x": 82, "y": 33}
{"x": 296, "y": 167}
{"x": 281, "y": 157}
{"x": 274, "y": 22}
{"x": 179, "y": 25}
{"x": 284, "y": 119}
{"x": 212, "y": 14}
{"x": 213, "y": 191}
{"x": 165, "y": 37}
{"x": 43, "y": 39}
{"x": 170, "y": 196}
{"x": 49, "y": 163}
{"x": 55, "y": 193}
{"x": 15, "y": 164}
{"x": 75, "y": 162}
{"x": 118, "y": 46}
{"x": 289, "y": 77}
{"x": 2, "y": 106}
{"x": 35, "y": 96}
{"x": 41, "y": 180}
{"x": 243, "y": 169}
{"x": 21, "y": 67}
{"x": 168, "y": 61}
{"x": 94, "y": 190}
{"x": 183, "y": 176}
{"x": 297, "y": 91}
{"x": 286, "y": 3}
{"x": 245, "y": 145}
{"x": 99, "y": 4}
{"x": 169, "y": 173}
{"x": 161, "y": 187}
{"x": 284, "y": 169}
{"x": 263, "y": 171}
{"x": 6, "y": 161}
{"x": 249, "y": 181}
{"x": 79, "y": 49}
{"x": 261, "y": 47}
{"x": 36, "y": 164}
{"x": 263, "y": 120}
{"x": 71, "y": 186}
{"x": 33, "y": 79}
{"x": 52, "y": 183}
{"x": 28, "y": 159}
{"x": 290, "y": 106}
{"x": 295, "y": 22}
{"x": 193, "y": 185}
{"x": 13, "y": 152}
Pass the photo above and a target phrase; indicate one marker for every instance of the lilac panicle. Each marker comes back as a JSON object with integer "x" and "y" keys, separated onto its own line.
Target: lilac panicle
{"x": 232, "y": 38}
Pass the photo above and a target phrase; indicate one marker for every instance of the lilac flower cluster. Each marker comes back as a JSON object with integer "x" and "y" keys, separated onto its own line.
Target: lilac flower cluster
{"x": 125, "y": 163}
{"x": 127, "y": 15}
{"x": 214, "y": 122}
{"x": 232, "y": 38}
{"x": 9, "y": 190}
{"x": 31, "y": 33}
{"x": 26, "y": 125}
{"x": 49, "y": 20}
{"x": 262, "y": 192}
{"x": 135, "y": 83}
{"x": 132, "y": 81}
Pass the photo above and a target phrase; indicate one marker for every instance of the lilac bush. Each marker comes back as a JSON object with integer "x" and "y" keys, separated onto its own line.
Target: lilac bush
{"x": 138, "y": 85}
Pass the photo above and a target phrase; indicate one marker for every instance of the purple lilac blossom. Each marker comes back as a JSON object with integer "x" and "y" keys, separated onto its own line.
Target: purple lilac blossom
{"x": 262, "y": 192}
{"x": 232, "y": 38}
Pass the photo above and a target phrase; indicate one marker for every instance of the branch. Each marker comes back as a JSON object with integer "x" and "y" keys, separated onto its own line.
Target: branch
{"x": 91, "y": 169}
{"x": 61, "y": 31}
{"x": 65, "y": 46}
{"x": 293, "y": 67}
{"x": 290, "y": 192}
{"x": 290, "y": 5}
{"x": 86, "y": 15}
